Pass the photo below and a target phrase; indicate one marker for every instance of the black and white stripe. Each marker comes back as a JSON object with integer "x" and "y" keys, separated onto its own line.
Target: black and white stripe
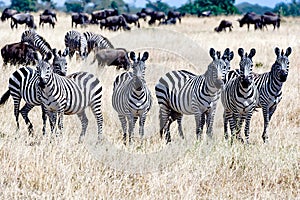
{"x": 239, "y": 97}
{"x": 37, "y": 41}
{"x": 181, "y": 92}
{"x": 96, "y": 41}
{"x": 76, "y": 41}
{"x": 269, "y": 86}
{"x": 70, "y": 95}
{"x": 131, "y": 97}
{"x": 23, "y": 84}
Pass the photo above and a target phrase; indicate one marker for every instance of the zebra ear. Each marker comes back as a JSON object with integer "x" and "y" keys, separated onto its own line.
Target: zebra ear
{"x": 252, "y": 53}
{"x": 59, "y": 53}
{"x": 48, "y": 56}
{"x": 288, "y": 51}
{"x": 145, "y": 56}
{"x": 132, "y": 56}
{"x": 66, "y": 52}
{"x": 277, "y": 51}
{"x": 212, "y": 53}
{"x": 54, "y": 51}
{"x": 230, "y": 56}
{"x": 241, "y": 52}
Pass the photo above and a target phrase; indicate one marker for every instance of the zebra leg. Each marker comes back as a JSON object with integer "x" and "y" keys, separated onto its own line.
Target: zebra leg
{"x": 16, "y": 111}
{"x": 226, "y": 117}
{"x": 232, "y": 123}
{"x": 179, "y": 122}
{"x": 84, "y": 123}
{"x": 141, "y": 124}
{"x": 163, "y": 119}
{"x": 247, "y": 127}
{"x": 123, "y": 121}
{"x": 266, "y": 114}
{"x": 52, "y": 119}
{"x": 96, "y": 108}
{"x": 130, "y": 127}
{"x": 210, "y": 121}
{"x": 24, "y": 112}
{"x": 60, "y": 121}
{"x": 199, "y": 124}
{"x": 238, "y": 127}
{"x": 44, "y": 117}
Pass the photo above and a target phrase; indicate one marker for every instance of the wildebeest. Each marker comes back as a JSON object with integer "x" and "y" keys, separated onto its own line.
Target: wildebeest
{"x": 20, "y": 53}
{"x": 175, "y": 14}
{"x": 97, "y": 15}
{"x": 8, "y": 13}
{"x": 156, "y": 15}
{"x": 50, "y": 12}
{"x": 132, "y": 18}
{"x": 147, "y": 11}
{"x": 112, "y": 57}
{"x": 22, "y": 18}
{"x": 270, "y": 19}
{"x": 79, "y": 18}
{"x": 114, "y": 23}
{"x": 168, "y": 21}
{"x": 223, "y": 25}
{"x": 206, "y": 13}
{"x": 142, "y": 15}
{"x": 46, "y": 19}
{"x": 251, "y": 18}
{"x": 111, "y": 12}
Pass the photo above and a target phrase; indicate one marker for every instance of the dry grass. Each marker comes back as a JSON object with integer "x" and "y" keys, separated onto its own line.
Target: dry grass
{"x": 43, "y": 167}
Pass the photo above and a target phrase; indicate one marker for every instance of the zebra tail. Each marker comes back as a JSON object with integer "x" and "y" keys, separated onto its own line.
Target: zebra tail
{"x": 4, "y": 97}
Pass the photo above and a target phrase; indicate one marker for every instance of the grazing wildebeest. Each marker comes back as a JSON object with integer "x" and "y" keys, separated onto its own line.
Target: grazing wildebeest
{"x": 132, "y": 18}
{"x": 114, "y": 23}
{"x": 270, "y": 13}
{"x": 112, "y": 57}
{"x": 206, "y": 13}
{"x": 147, "y": 11}
{"x": 20, "y": 53}
{"x": 46, "y": 19}
{"x": 111, "y": 12}
{"x": 223, "y": 25}
{"x": 50, "y": 12}
{"x": 142, "y": 15}
{"x": 8, "y": 13}
{"x": 168, "y": 21}
{"x": 156, "y": 15}
{"x": 251, "y": 18}
{"x": 79, "y": 18}
{"x": 97, "y": 15}
{"x": 270, "y": 19}
{"x": 22, "y": 18}
{"x": 174, "y": 14}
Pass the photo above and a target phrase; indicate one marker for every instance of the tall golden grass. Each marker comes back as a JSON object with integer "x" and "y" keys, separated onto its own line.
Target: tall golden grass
{"x": 44, "y": 167}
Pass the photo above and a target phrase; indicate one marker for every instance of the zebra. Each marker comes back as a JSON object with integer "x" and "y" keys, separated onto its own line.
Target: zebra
{"x": 23, "y": 84}
{"x": 182, "y": 92}
{"x": 269, "y": 86}
{"x": 69, "y": 95}
{"x": 239, "y": 97}
{"x": 96, "y": 41}
{"x": 37, "y": 41}
{"x": 76, "y": 41}
{"x": 131, "y": 97}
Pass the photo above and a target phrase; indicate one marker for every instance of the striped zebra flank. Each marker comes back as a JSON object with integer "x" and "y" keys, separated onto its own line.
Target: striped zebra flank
{"x": 24, "y": 84}
{"x": 131, "y": 97}
{"x": 269, "y": 86}
{"x": 76, "y": 42}
{"x": 70, "y": 95}
{"x": 184, "y": 93}
{"x": 96, "y": 42}
{"x": 37, "y": 41}
{"x": 239, "y": 98}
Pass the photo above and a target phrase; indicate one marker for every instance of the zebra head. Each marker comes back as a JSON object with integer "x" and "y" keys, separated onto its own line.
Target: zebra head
{"x": 280, "y": 68}
{"x": 139, "y": 68}
{"x": 218, "y": 68}
{"x": 44, "y": 69}
{"x": 227, "y": 57}
{"x": 60, "y": 62}
{"x": 246, "y": 65}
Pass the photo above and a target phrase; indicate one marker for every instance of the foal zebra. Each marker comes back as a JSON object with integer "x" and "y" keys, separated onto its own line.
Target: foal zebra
{"x": 69, "y": 95}
{"x": 269, "y": 86}
{"x": 76, "y": 41}
{"x": 23, "y": 84}
{"x": 37, "y": 41}
{"x": 240, "y": 97}
{"x": 181, "y": 92}
{"x": 131, "y": 97}
{"x": 96, "y": 41}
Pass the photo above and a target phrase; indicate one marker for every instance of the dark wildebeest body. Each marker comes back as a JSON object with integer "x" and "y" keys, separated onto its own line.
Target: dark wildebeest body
{"x": 168, "y": 21}
{"x": 22, "y": 18}
{"x": 251, "y": 18}
{"x": 270, "y": 19}
{"x": 132, "y": 18}
{"x": 44, "y": 19}
{"x": 223, "y": 25}
{"x": 147, "y": 11}
{"x": 156, "y": 15}
{"x": 174, "y": 15}
{"x": 79, "y": 18}
{"x": 50, "y": 12}
{"x": 112, "y": 57}
{"x": 20, "y": 53}
{"x": 114, "y": 23}
{"x": 142, "y": 15}
{"x": 97, "y": 15}
{"x": 8, "y": 13}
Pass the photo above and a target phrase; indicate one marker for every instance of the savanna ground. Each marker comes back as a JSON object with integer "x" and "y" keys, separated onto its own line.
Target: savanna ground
{"x": 44, "y": 167}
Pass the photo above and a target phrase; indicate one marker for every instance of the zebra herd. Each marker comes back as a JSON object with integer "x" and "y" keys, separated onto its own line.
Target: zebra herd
{"x": 178, "y": 92}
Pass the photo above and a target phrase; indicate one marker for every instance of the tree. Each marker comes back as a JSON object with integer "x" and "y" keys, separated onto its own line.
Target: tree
{"x": 290, "y": 9}
{"x": 74, "y": 6}
{"x": 24, "y": 5}
{"x": 158, "y": 6}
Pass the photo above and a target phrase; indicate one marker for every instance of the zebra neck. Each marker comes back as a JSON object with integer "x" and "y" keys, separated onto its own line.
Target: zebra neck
{"x": 49, "y": 86}
{"x": 138, "y": 84}
{"x": 210, "y": 83}
{"x": 274, "y": 84}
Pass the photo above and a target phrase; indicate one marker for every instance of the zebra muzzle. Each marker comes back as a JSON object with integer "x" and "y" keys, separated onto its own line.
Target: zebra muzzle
{"x": 42, "y": 83}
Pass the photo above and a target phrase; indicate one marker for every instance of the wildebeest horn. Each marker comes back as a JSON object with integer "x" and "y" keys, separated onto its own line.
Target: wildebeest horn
{"x": 145, "y": 56}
